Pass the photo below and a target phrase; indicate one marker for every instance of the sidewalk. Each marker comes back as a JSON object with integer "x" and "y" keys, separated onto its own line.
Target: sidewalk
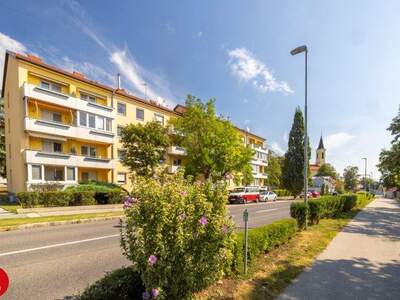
{"x": 361, "y": 262}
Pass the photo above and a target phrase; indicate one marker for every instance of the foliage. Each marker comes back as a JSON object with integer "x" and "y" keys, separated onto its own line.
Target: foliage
{"x": 394, "y": 128}
{"x": 274, "y": 170}
{"x": 246, "y": 176}
{"x": 339, "y": 186}
{"x": 101, "y": 192}
{"x": 300, "y": 211}
{"x": 28, "y": 199}
{"x": 293, "y": 166}
{"x": 46, "y": 187}
{"x": 327, "y": 170}
{"x": 55, "y": 198}
{"x": 121, "y": 284}
{"x": 144, "y": 147}
{"x": 262, "y": 240}
{"x": 316, "y": 210}
{"x": 323, "y": 188}
{"x": 178, "y": 235}
{"x": 95, "y": 186}
{"x": 83, "y": 198}
{"x": 350, "y": 175}
{"x": 282, "y": 193}
{"x": 214, "y": 146}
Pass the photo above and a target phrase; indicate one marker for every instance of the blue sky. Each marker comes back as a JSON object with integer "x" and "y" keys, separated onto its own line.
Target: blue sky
{"x": 237, "y": 52}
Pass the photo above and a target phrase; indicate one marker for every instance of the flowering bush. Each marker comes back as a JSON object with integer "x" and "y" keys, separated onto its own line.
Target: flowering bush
{"x": 178, "y": 235}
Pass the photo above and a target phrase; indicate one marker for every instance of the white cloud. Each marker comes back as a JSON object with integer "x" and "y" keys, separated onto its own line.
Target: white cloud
{"x": 277, "y": 148}
{"x": 337, "y": 140}
{"x": 247, "y": 67}
{"x": 285, "y": 136}
{"x": 169, "y": 28}
{"x": 200, "y": 34}
{"x": 8, "y": 43}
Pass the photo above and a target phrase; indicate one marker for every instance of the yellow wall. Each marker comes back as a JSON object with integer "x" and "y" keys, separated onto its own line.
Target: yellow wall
{"x": 102, "y": 175}
{"x": 35, "y": 111}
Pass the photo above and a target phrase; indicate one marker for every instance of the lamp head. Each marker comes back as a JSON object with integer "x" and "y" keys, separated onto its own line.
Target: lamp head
{"x": 299, "y": 50}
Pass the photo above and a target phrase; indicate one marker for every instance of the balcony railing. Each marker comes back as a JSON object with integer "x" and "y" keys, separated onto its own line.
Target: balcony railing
{"x": 176, "y": 150}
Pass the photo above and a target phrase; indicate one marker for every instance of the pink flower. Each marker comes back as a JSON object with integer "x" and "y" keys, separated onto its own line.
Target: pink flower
{"x": 146, "y": 295}
{"x": 224, "y": 228}
{"x": 155, "y": 292}
{"x": 184, "y": 193}
{"x": 128, "y": 201}
{"x": 152, "y": 260}
{"x": 182, "y": 217}
{"x": 203, "y": 221}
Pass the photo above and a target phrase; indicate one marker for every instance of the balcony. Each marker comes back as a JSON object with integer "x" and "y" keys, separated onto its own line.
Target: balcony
{"x": 52, "y": 97}
{"x": 176, "y": 150}
{"x": 67, "y": 130}
{"x": 66, "y": 159}
{"x": 259, "y": 148}
{"x": 259, "y": 162}
{"x": 260, "y": 175}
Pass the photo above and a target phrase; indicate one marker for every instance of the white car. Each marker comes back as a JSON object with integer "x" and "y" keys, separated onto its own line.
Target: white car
{"x": 267, "y": 196}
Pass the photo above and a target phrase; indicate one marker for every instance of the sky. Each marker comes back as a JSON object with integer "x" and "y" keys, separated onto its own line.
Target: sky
{"x": 237, "y": 52}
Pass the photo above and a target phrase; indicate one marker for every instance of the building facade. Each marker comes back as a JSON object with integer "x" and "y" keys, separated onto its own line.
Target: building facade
{"x": 320, "y": 158}
{"x": 61, "y": 127}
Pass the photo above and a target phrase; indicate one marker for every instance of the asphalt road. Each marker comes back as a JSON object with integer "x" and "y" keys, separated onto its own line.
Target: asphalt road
{"x": 55, "y": 262}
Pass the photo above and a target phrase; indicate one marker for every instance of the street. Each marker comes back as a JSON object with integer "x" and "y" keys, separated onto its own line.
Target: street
{"x": 59, "y": 261}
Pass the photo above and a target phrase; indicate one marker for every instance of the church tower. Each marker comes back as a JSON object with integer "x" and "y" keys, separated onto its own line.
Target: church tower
{"x": 321, "y": 153}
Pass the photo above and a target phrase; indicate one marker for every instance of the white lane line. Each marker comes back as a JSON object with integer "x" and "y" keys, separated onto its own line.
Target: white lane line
{"x": 265, "y": 210}
{"x": 58, "y": 245}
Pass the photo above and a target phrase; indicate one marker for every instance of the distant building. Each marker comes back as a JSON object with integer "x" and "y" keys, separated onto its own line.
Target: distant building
{"x": 319, "y": 181}
{"x": 320, "y": 158}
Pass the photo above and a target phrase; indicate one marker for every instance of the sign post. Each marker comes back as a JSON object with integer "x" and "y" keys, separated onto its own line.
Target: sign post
{"x": 246, "y": 230}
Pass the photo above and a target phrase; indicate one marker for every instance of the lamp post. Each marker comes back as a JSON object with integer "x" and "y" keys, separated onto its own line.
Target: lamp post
{"x": 365, "y": 174}
{"x": 296, "y": 51}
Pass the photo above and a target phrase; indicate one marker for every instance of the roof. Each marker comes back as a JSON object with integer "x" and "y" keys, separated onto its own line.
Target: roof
{"x": 321, "y": 144}
{"x": 32, "y": 59}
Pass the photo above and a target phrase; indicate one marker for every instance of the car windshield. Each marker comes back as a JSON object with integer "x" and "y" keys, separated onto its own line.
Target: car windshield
{"x": 238, "y": 190}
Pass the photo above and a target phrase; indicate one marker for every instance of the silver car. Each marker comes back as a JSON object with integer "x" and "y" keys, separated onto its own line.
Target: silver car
{"x": 267, "y": 196}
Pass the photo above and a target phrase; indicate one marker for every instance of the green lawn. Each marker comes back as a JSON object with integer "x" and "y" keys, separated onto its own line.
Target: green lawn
{"x": 9, "y": 223}
{"x": 11, "y": 207}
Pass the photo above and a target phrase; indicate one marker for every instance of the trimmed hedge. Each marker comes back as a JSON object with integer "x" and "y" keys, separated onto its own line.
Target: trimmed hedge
{"x": 282, "y": 193}
{"x": 262, "y": 240}
{"x": 55, "y": 198}
{"x": 121, "y": 284}
{"x": 300, "y": 211}
{"x": 28, "y": 199}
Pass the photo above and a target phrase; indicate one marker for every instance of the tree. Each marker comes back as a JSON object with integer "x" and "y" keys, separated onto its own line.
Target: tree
{"x": 389, "y": 160}
{"x": 213, "y": 145}
{"x": 144, "y": 147}
{"x": 339, "y": 186}
{"x": 2, "y": 141}
{"x": 274, "y": 170}
{"x": 350, "y": 175}
{"x": 323, "y": 188}
{"x": 293, "y": 166}
{"x": 327, "y": 170}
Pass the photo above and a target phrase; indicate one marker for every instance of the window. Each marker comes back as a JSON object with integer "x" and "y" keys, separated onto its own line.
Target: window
{"x": 119, "y": 130}
{"x": 82, "y": 118}
{"x": 86, "y": 176}
{"x": 92, "y": 151}
{"x": 121, "y": 154}
{"x": 71, "y": 174}
{"x": 88, "y": 151}
{"x": 51, "y": 86}
{"x": 159, "y": 118}
{"x": 36, "y": 172}
{"x": 108, "y": 125}
{"x": 100, "y": 123}
{"x": 51, "y": 146}
{"x": 177, "y": 162}
{"x": 92, "y": 121}
{"x": 88, "y": 98}
{"x": 121, "y": 108}
{"x": 54, "y": 173}
{"x": 51, "y": 116}
{"x": 57, "y": 147}
{"x": 140, "y": 114}
{"x": 121, "y": 177}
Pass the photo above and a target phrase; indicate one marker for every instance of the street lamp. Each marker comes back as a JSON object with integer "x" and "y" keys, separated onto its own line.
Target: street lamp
{"x": 365, "y": 174}
{"x": 296, "y": 51}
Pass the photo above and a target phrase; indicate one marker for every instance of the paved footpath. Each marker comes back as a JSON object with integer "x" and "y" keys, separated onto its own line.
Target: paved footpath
{"x": 362, "y": 262}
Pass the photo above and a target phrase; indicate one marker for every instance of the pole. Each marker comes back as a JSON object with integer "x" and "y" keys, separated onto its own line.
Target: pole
{"x": 305, "y": 137}
{"x": 246, "y": 233}
{"x": 365, "y": 175}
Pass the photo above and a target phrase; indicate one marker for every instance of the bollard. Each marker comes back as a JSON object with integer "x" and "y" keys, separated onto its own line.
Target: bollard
{"x": 246, "y": 230}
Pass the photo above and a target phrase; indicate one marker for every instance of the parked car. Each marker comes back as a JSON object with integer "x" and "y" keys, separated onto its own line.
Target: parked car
{"x": 309, "y": 195}
{"x": 266, "y": 195}
{"x": 315, "y": 194}
{"x": 244, "y": 195}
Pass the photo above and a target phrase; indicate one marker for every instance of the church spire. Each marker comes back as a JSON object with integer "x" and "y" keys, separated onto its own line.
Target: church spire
{"x": 321, "y": 144}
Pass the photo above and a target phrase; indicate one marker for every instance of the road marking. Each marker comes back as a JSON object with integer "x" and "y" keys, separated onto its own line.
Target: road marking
{"x": 265, "y": 210}
{"x": 58, "y": 245}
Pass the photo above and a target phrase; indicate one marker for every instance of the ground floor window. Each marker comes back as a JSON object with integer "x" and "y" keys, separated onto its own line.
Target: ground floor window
{"x": 71, "y": 174}
{"x": 37, "y": 172}
{"x": 121, "y": 177}
{"x": 87, "y": 176}
{"x": 53, "y": 173}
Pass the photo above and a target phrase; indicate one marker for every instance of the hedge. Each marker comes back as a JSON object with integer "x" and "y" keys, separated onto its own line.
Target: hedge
{"x": 327, "y": 207}
{"x": 124, "y": 283}
{"x": 282, "y": 193}
{"x": 67, "y": 198}
{"x": 262, "y": 240}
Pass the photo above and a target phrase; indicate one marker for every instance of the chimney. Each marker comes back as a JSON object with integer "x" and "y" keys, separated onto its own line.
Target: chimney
{"x": 119, "y": 81}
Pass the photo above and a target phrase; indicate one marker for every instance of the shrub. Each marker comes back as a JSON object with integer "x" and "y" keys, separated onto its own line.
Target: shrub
{"x": 282, "y": 193}
{"x": 83, "y": 198}
{"x": 261, "y": 240}
{"x": 104, "y": 193}
{"x": 300, "y": 212}
{"x": 349, "y": 202}
{"x": 115, "y": 196}
{"x": 28, "y": 199}
{"x": 46, "y": 187}
{"x": 316, "y": 210}
{"x": 55, "y": 198}
{"x": 178, "y": 235}
{"x": 121, "y": 284}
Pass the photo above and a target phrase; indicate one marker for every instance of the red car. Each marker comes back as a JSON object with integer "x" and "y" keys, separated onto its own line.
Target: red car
{"x": 315, "y": 194}
{"x": 244, "y": 195}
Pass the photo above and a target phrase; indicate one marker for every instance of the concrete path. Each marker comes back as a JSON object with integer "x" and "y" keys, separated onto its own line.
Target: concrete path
{"x": 362, "y": 262}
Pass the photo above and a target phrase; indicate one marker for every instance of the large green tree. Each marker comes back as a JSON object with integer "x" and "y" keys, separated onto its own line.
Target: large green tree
{"x": 214, "y": 146}
{"x": 274, "y": 170}
{"x": 293, "y": 165}
{"x": 350, "y": 175}
{"x": 389, "y": 159}
{"x": 144, "y": 147}
{"x": 327, "y": 170}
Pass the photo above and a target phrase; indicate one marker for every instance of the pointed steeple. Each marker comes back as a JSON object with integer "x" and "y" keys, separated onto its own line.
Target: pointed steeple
{"x": 321, "y": 144}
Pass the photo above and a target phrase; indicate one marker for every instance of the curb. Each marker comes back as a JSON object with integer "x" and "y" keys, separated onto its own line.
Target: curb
{"x": 56, "y": 223}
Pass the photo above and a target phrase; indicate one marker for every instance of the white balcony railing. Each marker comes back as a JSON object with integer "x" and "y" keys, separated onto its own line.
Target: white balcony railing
{"x": 69, "y": 160}
{"x": 176, "y": 150}
{"x": 66, "y": 100}
{"x": 66, "y": 130}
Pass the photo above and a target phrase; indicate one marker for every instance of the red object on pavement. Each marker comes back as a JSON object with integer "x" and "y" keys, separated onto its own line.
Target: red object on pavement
{"x": 4, "y": 281}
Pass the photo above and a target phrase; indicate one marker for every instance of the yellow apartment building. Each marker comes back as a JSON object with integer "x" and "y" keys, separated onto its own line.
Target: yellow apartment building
{"x": 61, "y": 127}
